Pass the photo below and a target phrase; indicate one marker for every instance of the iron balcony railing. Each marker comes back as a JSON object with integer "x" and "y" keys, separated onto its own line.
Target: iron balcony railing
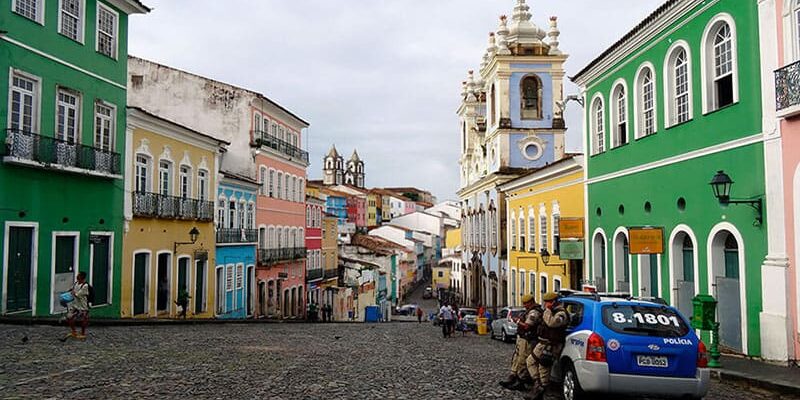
{"x": 237, "y": 235}
{"x": 51, "y": 151}
{"x": 313, "y": 274}
{"x": 264, "y": 139}
{"x": 156, "y": 205}
{"x": 787, "y": 86}
{"x": 272, "y": 256}
{"x": 330, "y": 273}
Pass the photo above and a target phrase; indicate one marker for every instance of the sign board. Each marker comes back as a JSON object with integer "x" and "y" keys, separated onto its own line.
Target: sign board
{"x": 570, "y": 228}
{"x": 646, "y": 240}
{"x": 570, "y": 250}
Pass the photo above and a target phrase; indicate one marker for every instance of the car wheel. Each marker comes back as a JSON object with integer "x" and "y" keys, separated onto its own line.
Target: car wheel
{"x": 503, "y": 336}
{"x": 571, "y": 387}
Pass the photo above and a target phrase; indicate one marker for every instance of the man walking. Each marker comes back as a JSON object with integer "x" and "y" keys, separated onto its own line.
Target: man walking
{"x": 420, "y": 313}
{"x": 552, "y": 336}
{"x": 78, "y": 309}
{"x": 446, "y": 317}
{"x": 527, "y": 335}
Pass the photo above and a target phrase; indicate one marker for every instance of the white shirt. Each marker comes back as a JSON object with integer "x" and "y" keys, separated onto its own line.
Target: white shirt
{"x": 447, "y": 312}
{"x": 81, "y": 293}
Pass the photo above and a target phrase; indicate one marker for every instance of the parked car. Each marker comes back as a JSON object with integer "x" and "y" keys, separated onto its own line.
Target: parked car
{"x": 428, "y": 294}
{"x": 469, "y": 316}
{"x": 407, "y": 309}
{"x": 632, "y": 347}
{"x": 504, "y": 327}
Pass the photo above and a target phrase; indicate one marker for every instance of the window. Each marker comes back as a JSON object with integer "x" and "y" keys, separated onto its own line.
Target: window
{"x": 67, "y": 121}
{"x": 221, "y": 213}
{"x": 233, "y": 222}
{"x": 257, "y": 125}
{"x": 242, "y": 216}
{"x": 532, "y": 230}
{"x": 556, "y": 233}
{"x": 723, "y": 67}
{"x": 229, "y": 278}
{"x": 543, "y": 284}
{"x": 24, "y": 104}
{"x": 142, "y": 173}
{"x": 556, "y": 285}
{"x": 185, "y": 176}
{"x": 522, "y": 233}
{"x": 513, "y": 232}
{"x": 31, "y": 9}
{"x": 70, "y": 23}
{"x": 286, "y": 188}
{"x": 293, "y": 190}
{"x": 543, "y": 229}
{"x": 262, "y": 238}
{"x": 280, "y": 181}
{"x": 262, "y": 190}
{"x": 271, "y": 184}
{"x": 533, "y": 283}
{"x": 164, "y": 178}
{"x": 202, "y": 185}
{"x": 678, "y": 84}
{"x": 531, "y": 95}
{"x": 646, "y": 102}
{"x": 522, "y": 282}
{"x": 620, "y": 116}
{"x": 493, "y": 221}
{"x": 106, "y": 31}
{"x": 103, "y": 127}
{"x": 598, "y": 127}
{"x": 719, "y": 64}
{"x": 491, "y": 105}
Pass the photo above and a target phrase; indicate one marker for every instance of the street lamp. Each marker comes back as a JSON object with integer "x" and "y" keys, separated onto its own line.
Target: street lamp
{"x": 546, "y": 260}
{"x": 721, "y": 184}
{"x": 193, "y": 234}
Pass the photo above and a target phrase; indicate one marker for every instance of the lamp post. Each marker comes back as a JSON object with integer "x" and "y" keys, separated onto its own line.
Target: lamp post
{"x": 721, "y": 184}
{"x": 193, "y": 234}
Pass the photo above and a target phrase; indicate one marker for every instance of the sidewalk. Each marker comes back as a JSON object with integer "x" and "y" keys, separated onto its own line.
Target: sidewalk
{"x": 758, "y": 374}
{"x": 159, "y": 321}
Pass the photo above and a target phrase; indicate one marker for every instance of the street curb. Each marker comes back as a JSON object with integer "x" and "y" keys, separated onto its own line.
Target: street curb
{"x": 171, "y": 322}
{"x": 770, "y": 385}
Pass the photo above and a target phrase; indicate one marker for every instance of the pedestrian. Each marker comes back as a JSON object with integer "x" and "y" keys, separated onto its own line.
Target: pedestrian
{"x": 183, "y": 301}
{"x": 552, "y": 335}
{"x": 324, "y": 313}
{"x": 456, "y": 318}
{"x": 527, "y": 336}
{"x": 446, "y": 317}
{"x": 78, "y": 309}
{"x": 420, "y": 313}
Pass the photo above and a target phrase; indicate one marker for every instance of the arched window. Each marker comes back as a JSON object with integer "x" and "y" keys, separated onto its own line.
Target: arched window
{"x": 279, "y": 192}
{"x": 250, "y": 216}
{"x": 513, "y": 232}
{"x": 719, "y": 62}
{"x": 233, "y": 222}
{"x": 598, "y": 126}
{"x": 263, "y": 176}
{"x": 522, "y": 233}
{"x": 619, "y": 115}
{"x": 286, "y": 187}
{"x": 543, "y": 228}
{"x": 142, "y": 173}
{"x": 293, "y": 190}
{"x": 678, "y": 84}
{"x": 531, "y": 231}
{"x": 531, "y": 97}
{"x": 645, "y": 102}
{"x": 221, "y": 203}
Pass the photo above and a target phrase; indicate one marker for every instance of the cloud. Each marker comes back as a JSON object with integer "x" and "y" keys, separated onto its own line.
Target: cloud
{"x": 382, "y": 76}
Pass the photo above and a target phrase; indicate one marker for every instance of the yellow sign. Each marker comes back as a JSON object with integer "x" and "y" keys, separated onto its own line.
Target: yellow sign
{"x": 570, "y": 228}
{"x": 646, "y": 240}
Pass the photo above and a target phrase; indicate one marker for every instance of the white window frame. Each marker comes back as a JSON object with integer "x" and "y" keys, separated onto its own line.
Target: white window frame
{"x": 597, "y": 130}
{"x": 263, "y": 173}
{"x": 38, "y": 18}
{"x": 640, "y": 120}
{"x": 185, "y": 181}
{"x": 143, "y": 171}
{"x": 169, "y": 182}
{"x": 512, "y": 233}
{"x": 707, "y": 65}
{"x": 67, "y": 107}
{"x": 100, "y": 120}
{"x": 222, "y": 209}
{"x": 36, "y": 97}
{"x": 81, "y": 20}
{"x": 619, "y": 116}
{"x": 670, "y": 84}
{"x": 279, "y": 185}
{"x": 543, "y": 221}
{"x": 114, "y": 35}
{"x": 202, "y": 184}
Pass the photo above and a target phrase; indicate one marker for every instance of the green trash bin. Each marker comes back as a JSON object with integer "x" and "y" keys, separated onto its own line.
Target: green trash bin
{"x": 704, "y": 310}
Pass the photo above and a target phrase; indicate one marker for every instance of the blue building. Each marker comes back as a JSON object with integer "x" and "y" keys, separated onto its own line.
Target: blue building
{"x": 336, "y": 204}
{"x": 237, "y": 238}
{"x": 510, "y": 122}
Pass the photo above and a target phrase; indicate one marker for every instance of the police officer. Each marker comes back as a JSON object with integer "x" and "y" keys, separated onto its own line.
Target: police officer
{"x": 527, "y": 336}
{"x": 552, "y": 335}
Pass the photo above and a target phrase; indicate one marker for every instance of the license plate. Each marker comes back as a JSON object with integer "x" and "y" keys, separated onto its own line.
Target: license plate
{"x": 652, "y": 361}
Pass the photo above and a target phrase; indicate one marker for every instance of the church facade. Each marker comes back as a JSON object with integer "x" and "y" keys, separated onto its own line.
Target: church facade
{"x": 336, "y": 171}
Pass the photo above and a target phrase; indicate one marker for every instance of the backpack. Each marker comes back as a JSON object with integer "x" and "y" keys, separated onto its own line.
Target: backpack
{"x": 90, "y": 297}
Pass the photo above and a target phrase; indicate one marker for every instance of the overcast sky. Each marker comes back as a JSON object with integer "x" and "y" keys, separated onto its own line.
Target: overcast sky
{"x": 382, "y": 76}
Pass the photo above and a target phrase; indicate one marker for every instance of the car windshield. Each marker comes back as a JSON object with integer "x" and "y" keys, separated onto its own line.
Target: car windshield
{"x": 517, "y": 313}
{"x": 644, "y": 320}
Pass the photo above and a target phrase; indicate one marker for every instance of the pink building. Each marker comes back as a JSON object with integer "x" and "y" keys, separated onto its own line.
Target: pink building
{"x": 787, "y": 105}
{"x": 281, "y": 212}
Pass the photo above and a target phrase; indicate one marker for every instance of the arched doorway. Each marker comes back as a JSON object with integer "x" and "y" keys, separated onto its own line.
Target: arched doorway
{"x": 683, "y": 269}
{"x": 622, "y": 263}
{"x": 599, "y": 261}
{"x": 727, "y": 262}
{"x": 649, "y": 270}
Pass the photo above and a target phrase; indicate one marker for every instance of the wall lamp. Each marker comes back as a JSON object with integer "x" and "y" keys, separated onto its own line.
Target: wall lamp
{"x": 546, "y": 260}
{"x": 193, "y": 234}
{"x": 722, "y": 183}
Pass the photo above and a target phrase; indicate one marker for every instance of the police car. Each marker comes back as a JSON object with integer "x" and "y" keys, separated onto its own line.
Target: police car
{"x": 622, "y": 345}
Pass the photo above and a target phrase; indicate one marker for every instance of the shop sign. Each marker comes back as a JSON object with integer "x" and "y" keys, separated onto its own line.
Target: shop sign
{"x": 646, "y": 240}
{"x": 570, "y": 228}
{"x": 570, "y": 250}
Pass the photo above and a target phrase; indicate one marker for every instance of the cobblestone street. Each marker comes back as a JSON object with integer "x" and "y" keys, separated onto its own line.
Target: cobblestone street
{"x": 280, "y": 361}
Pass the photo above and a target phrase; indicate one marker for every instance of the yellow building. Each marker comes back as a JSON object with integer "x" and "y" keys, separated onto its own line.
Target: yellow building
{"x": 169, "y": 239}
{"x": 452, "y": 239}
{"x": 441, "y": 275}
{"x": 373, "y": 200}
{"x": 330, "y": 266}
{"x": 540, "y": 257}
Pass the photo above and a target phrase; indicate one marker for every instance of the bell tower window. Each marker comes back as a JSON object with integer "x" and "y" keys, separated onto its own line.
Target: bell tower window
{"x": 531, "y": 95}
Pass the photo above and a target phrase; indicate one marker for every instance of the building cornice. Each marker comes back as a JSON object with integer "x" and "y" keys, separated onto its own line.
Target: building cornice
{"x": 548, "y": 173}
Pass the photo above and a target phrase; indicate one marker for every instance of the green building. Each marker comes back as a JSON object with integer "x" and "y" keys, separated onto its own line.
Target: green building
{"x": 676, "y": 100}
{"x": 63, "y": 72}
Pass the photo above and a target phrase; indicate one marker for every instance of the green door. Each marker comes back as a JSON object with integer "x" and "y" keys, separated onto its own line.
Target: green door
{"x": 140, "y": 283}
{"x": 199, "y": 289}
{"x": 20, "y": 265}
{"x": 101, "y": 256}
{"x": 65, "y": 268}
{"x": 183, "y": 274}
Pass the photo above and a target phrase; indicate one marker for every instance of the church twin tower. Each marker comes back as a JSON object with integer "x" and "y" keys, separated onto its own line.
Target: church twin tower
{"x": 336, "y": 173}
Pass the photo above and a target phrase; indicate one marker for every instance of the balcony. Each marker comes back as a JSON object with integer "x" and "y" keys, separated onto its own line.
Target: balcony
{"x": 330, "y": 273}
{"x": 236, "y": 235}
{"x": 274, "y": 256}
{"x": 313, "y": 274}
{"x": 787, "y": 90}
{"x": 268, "y": 141}
{"x": 154, "y": 205}
{"x": 29, "y": 149}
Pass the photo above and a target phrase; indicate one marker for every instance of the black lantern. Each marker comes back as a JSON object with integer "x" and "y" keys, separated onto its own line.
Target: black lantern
{"x": 721, "y": 184}
{"x": 193, "y": 234}
{"x": 545, "y": 256}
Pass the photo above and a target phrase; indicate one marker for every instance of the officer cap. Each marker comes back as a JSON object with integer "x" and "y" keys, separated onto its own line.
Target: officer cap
{"x": 549, "y": 296}
{"x": 528, "y": 298}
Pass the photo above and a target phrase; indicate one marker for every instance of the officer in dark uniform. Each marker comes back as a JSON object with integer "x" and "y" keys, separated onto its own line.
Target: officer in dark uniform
{"x": 527, "y": 335}
{"x": 552, "y": 335}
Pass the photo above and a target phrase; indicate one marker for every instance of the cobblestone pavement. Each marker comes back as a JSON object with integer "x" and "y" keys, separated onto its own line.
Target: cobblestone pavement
{"x": 276, "y": 361}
